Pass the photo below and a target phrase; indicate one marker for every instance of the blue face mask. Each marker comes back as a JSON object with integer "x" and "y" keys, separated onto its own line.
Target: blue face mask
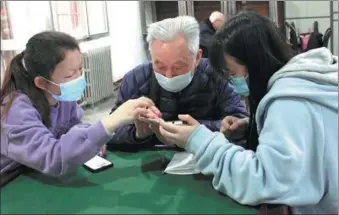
{"x": 71, "y": 91}
{"x": 239, "y": 85}
{"x": 175, "y": 84}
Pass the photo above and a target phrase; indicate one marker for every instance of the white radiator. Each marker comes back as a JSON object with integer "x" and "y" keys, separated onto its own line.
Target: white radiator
{"x": 98, "y": 73}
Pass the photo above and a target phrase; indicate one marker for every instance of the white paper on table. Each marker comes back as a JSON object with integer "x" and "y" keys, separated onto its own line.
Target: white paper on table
{"x": 182, "y": 163}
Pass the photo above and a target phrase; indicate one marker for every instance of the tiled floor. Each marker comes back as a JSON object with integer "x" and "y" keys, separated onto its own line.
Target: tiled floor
{"x": 99, "y": 111}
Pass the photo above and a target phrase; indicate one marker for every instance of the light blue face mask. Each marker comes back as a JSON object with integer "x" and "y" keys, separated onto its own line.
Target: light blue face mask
{"x": 239, "y": 85}
{"x": 175, "y": 84}
{"x": 70, "y": 91}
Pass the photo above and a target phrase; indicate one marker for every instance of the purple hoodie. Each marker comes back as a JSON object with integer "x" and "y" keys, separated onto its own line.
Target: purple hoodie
{"x": 54, "y": 151}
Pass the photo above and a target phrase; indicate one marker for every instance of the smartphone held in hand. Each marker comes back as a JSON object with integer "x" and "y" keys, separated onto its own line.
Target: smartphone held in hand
{"x": 157, "y": 121}
{"x": 178, "y": 122}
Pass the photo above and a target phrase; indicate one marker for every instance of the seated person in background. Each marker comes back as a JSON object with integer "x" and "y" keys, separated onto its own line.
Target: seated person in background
{"x": 292, "y": 152}
{"x": 178, "y": 81}
{"x": 40, "y": 119}
{"x": 233, "y": 126}
{"x": 208, "y": 27}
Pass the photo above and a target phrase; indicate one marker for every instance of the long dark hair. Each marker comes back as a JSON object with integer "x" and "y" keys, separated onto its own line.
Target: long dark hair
{"x": 43, "y": 52}
{"x": 255, "y": 42}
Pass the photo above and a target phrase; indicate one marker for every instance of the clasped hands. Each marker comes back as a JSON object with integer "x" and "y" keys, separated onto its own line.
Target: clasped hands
{"x": 148, "y": 120}
{"x": 151, "y": 122}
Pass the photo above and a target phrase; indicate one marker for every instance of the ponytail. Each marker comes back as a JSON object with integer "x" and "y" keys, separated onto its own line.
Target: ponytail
{"x": 17, "y": 79}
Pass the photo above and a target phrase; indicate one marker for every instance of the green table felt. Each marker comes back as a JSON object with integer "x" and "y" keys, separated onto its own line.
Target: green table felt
{"x": 135, "y": 185}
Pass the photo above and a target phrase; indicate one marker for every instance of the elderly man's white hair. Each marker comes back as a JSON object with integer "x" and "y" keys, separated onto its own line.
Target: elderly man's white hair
{"x": 215, "y": 16}
{"x": 167, "y": 29}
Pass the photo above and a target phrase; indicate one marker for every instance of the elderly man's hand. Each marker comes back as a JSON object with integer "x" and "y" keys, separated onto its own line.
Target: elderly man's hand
{"x": 143, "y": 126}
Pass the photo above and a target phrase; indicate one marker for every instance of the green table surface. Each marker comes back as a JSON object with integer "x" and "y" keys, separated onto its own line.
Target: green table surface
{"x": 135, "y": 185}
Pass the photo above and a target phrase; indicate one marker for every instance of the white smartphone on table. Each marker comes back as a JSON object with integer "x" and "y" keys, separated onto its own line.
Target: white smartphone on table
{"x": 97, "y": 164}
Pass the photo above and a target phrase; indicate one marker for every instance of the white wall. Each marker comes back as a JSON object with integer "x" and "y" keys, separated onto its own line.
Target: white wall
{"x": 124, "y": 25}
{"x": 304, "y": 13}
{"x": 335, "y": 27}
{"x": 31, "y": 17}
{"x": 126, "y": 36}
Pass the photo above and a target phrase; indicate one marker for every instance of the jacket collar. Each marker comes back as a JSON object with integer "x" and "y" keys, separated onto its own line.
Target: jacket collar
{"x": 209, "y": 24}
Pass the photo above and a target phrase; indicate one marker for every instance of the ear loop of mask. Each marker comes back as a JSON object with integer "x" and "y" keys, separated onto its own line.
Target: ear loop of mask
{"x": 51, "y": 83}
{"x": 230, "y": 80}
{"x": 26, "y": 73}
{"x": 193, "y": 68}
{"x": 24, "y": 66}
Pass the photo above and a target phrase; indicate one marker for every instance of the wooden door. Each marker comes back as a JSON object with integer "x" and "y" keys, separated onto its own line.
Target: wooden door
{"x": 166, "y": 9}
{"x": 261, "y": 7}
{"x": 203, "y": 9}
{"x": 281, "y": 16}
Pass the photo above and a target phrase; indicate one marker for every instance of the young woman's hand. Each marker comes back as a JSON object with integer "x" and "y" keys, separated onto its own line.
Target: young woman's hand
{"x": 178, "y": 134}
{"x": 127, "y": 113}
{"x": 155, "y": 128}
{"x": 102, "y": 151}
{"x": 233, "y": 126}
{"x": 131, "y": 109}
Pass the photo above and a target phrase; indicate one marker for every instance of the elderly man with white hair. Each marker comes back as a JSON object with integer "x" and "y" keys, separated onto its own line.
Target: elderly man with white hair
{"x": 178, "y": 81}
{"x": 208, "y": 27}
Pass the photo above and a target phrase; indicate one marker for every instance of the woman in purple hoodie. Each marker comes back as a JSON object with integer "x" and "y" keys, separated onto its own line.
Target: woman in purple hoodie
{"x": 41, "y": 124}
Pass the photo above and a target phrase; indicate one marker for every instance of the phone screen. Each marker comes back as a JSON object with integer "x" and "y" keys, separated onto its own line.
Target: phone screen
{"x": 178, "y": 122}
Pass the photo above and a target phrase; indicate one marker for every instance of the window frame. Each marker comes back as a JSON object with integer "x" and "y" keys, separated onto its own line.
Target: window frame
{"x": 11, "y": 45}
{"x": 89, "y": 36}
